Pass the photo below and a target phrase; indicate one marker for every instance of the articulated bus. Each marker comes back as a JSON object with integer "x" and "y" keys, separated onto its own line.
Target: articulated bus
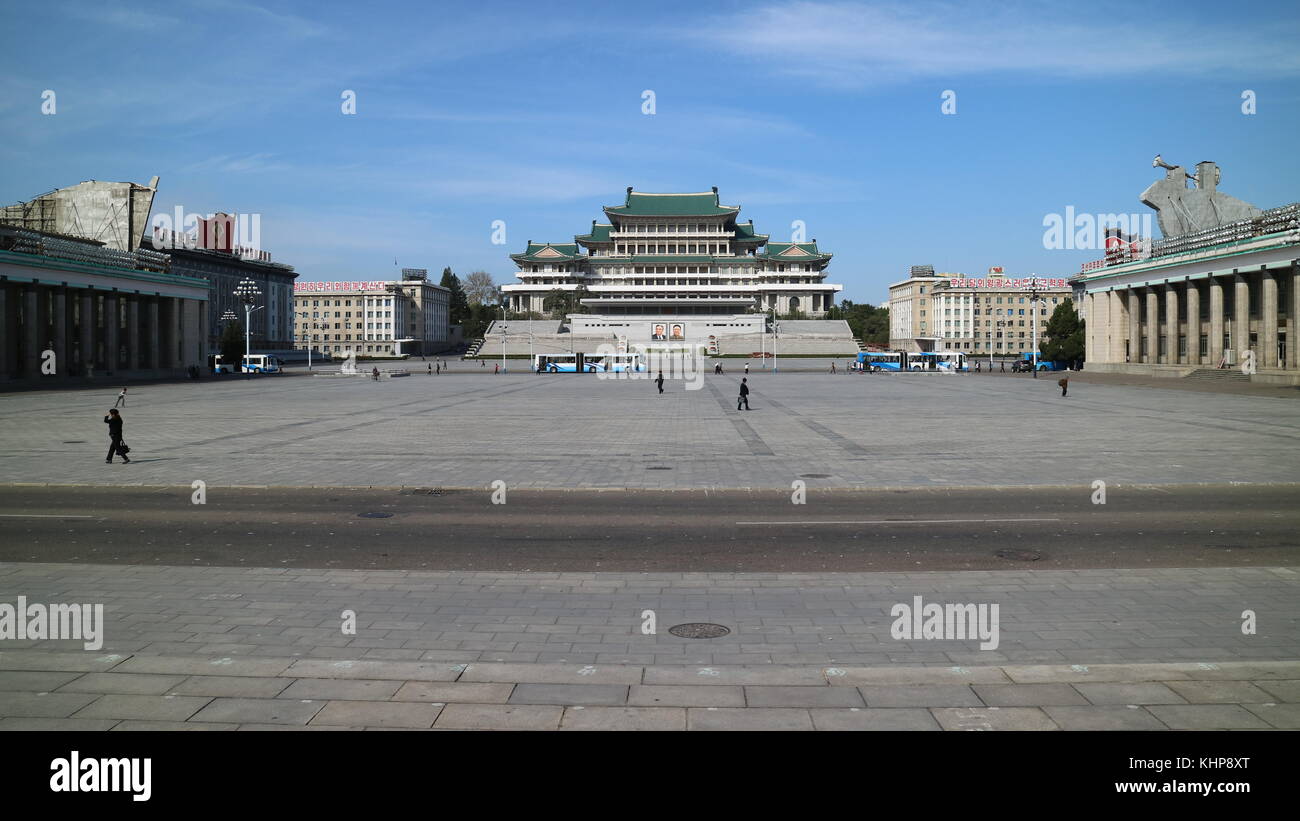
{"x": 589, "y": 363}
{"x": 902, "y": 361}
{"x": 937, "y": 361}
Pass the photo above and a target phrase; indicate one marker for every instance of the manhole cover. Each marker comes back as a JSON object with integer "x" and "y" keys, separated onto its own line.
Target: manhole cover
{"x": 699, "y": 630}
{"x": 658, "y": 467}
{"x": 375, "y": 515}
{"x": 74, "y": 441}
{"x": 814, "y": 476}
{"x": 1019, "y": 555}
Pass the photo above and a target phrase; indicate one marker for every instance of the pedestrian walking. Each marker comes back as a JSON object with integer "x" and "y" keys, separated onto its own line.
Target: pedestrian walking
{"x": 114, "y": 421}
{"x": 744, "y": 395}
{"x": 832, "y": 367}
{"x": 439, "y": 370}
{"x": 660, "y": 381}
{"x": 1004, "y": 366}
{"x": 1064, "y": 382}
{"x": 121, "y": 399}
{"x": 496, "y": 368}
{"x": 430, "y": 367}
{"x": 746, "y": 369}
{"x": 374, "y": 373}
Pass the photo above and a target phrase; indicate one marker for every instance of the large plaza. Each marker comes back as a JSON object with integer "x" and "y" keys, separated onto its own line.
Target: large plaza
{"x": 470, "y": 428}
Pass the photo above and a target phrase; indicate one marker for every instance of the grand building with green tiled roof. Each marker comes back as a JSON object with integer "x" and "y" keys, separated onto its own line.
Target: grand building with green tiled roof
{"x": 669, "y": 256}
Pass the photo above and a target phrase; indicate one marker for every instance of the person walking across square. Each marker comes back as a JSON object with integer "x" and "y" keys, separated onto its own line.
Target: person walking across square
{"x": 744, "y": 394}
{"x": 660, "y": 381}
{"x": 114, "y": 421}
{"x": 121, "y": 399}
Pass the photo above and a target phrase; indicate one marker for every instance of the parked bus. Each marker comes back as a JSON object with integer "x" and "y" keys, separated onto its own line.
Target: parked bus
{"x": 880, "y": 361}
{"x": 589, "y": 363}
{"x": 937, "y": 361}
{"x": 253, "y": 363}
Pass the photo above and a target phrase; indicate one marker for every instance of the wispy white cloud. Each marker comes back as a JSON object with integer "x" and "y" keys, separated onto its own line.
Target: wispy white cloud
{"x": 853, "y": 44}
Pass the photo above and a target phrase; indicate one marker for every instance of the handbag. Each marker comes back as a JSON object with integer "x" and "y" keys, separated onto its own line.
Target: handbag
{"x": 123, "y": 448}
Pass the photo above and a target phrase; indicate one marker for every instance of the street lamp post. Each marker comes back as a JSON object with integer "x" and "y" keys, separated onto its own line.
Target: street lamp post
{"x": 1001, "y": 323}
{"x": 247, "y": 292}
{"x": 1034, "y": 297}
{"x": 503, "y": 338}
{"x": 776, "y": 334}
{"x": 228, "y": 316}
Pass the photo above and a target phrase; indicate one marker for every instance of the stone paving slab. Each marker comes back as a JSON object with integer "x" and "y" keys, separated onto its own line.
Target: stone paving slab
{"x": 891, "y": 720}
{"x": 624, "y": 718}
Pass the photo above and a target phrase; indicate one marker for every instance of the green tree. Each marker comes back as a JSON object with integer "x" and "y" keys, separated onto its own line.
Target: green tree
{"x": 575, "y": 300}
{"x": 479, "y": 319}
{"x": 457, "y": 303}
{"x": 867, "y": 322}
{"x": 232, "y": 344}
{"x": 556, "y": 302}
{"x": 1063, "y": 337}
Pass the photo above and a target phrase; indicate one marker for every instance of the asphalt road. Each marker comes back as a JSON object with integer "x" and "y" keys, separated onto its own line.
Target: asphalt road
{"x": 734, "y": 531}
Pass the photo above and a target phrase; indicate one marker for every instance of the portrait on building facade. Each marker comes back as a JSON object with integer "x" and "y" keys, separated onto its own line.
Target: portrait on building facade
{"x": 659, "y": 332}
{"x": 678, "y": 331}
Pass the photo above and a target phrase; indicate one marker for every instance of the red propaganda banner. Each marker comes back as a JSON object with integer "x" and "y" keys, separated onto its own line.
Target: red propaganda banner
{"x": 329, "y": 287}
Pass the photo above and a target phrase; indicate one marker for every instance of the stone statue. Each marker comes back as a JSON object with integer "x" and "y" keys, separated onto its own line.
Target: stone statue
{"x": 1182, "y": 210}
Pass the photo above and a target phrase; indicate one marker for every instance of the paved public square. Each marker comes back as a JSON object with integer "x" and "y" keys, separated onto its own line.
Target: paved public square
{"x": 470, "y": 429}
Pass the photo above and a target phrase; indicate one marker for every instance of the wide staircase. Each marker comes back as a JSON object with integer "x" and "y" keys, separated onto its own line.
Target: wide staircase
{"x": 1219, "y": 375}
{"x": 473, "y": 350}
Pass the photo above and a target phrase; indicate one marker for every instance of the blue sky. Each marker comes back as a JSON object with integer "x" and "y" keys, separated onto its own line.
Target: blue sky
{"x": 531, "y": 113}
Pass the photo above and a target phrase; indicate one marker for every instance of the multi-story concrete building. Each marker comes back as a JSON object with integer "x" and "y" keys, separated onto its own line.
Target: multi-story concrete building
{"x": 74, "y": 309}
{"x": 210, "y": 254}
{"x": 375, "y": 318}
{"x": 665, "y": 258}
{"x": 955, "y": 312}
{"x": 1222, "y": 297}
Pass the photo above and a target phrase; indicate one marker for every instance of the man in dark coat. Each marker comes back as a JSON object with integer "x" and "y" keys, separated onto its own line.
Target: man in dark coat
{"x": 744, "y": 395}
{"x": 660, "y": 381}
{"x": 114, "y": 422}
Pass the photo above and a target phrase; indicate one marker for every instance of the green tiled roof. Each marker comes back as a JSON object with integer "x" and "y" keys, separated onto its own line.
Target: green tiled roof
{"x": 563, "y": 252}
{"x": 745, "y": 231}
{"x": 806, "y": 251}
{"x": 599, "y": 233}
{"x": 672, "y": 205}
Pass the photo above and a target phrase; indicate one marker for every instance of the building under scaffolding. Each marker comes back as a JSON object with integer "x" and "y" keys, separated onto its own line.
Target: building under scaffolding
{"x": 113, "y": 213}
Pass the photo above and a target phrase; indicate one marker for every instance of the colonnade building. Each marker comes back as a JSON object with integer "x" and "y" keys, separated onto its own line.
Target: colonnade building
{"x": 1219, "y": 291}
{"x": 72, "y": 308}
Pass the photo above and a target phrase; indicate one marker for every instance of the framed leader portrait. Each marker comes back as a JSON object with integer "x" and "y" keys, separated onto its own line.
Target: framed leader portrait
{"x": 658, "y": 331}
